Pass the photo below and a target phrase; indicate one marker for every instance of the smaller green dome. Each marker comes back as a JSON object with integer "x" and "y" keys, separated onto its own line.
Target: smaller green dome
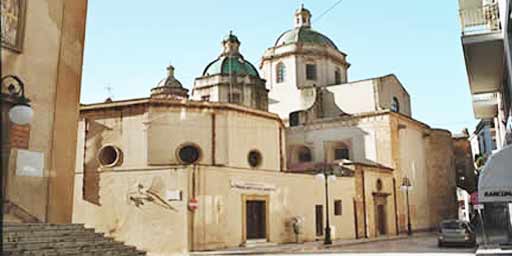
{"x": 226, "y": 65}
{"x": 304, "y": 35}
{"x": 230, "y": 61}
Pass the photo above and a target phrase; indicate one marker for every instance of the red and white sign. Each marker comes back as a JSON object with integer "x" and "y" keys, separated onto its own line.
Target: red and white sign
{"x": 192, "y": 204}
{"x": 474, "y": 198}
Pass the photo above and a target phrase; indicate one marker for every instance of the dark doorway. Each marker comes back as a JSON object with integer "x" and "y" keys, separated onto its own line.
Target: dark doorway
{"x": 319, "y": 217}
{"x": 381, "y": 219}
{"x": 256, "y": 219}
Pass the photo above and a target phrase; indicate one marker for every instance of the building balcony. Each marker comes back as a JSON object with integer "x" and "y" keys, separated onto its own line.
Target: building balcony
{"x": 485, "y": 105}
{"x": 483, "y": 45}
{"x": 478, "y": 18}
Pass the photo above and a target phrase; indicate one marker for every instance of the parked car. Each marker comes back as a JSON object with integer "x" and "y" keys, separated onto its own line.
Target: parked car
{"x": 456, "y": 232}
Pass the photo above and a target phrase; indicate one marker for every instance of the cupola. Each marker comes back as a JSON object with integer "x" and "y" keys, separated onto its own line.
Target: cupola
{"x": 169, "y": 87}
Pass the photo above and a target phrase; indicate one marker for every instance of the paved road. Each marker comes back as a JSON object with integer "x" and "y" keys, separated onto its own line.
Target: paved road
{"x": 424, "y": 245}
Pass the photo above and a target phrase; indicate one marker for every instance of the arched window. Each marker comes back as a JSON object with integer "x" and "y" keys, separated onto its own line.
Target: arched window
{"x": 337, "y": 76}
{"x": 395, "y": 105}
{"x": 304, "y": 155}
{"x": 281, "y": 72}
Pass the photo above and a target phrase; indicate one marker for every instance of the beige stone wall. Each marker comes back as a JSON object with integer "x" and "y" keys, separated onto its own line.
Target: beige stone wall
{"x": 441, "y": 176}
{"x": 387, "y": 88}
{"x": 429, "y": 166}
{"x": 296, "y": 92}
{"x": 361, "y": 135}
{"x": 413, "y": 165}
{"x": 166, "y": 228}
{"x": 391, "y": 140}
{"x": 375, "y": 196}
{"x": 50, "y": 64}
{"x": 220, "y": 216}
{"x": 160, "y": 227}
{"x": 218, "y": 133}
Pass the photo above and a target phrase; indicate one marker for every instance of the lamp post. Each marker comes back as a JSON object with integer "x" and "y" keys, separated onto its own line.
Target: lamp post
{"x": 406, "y": 186}
{"x": 13, "y": 90}
{"x": 326, "y": 176}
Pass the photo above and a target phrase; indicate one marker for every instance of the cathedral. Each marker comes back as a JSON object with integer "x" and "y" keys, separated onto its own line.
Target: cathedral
{"x": 235, "y": 160}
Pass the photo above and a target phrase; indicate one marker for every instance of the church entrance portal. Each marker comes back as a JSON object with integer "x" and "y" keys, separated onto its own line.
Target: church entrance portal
{"x": 255, "y": 218}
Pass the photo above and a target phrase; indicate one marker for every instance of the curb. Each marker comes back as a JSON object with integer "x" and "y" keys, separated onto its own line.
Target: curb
{"x": 304, "y": 248}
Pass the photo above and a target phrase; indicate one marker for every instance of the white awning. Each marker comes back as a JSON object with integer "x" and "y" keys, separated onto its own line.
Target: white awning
{"x": 495, "y": 182}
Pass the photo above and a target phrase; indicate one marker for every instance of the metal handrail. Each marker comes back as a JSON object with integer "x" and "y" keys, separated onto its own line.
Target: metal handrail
{"x": 484, "y": 19}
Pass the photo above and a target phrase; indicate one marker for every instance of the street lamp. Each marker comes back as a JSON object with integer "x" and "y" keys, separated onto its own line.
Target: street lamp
{"x": 13, "y": 89}
{"x": 326, "y": 176}
{"x": 407, "y": 186}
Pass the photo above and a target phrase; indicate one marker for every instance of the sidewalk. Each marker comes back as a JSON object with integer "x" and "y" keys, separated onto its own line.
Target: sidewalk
{"x": 315, "y": 246}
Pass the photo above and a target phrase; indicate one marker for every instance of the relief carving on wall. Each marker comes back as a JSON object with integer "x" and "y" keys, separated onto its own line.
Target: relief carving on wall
{"x": 12, "y": 23}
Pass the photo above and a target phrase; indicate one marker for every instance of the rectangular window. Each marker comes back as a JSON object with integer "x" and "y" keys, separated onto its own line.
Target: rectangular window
{"x": 319, "y": 217}
{"x": 341, "y": 153}
{"x": 338, "y": 208}
{"x": 294, "y": 118}
{"x": 337, "y": 77}
{"x": 205, "y": 98}
{"x": 234, "y": 98}
{"x": 310, "y": 71}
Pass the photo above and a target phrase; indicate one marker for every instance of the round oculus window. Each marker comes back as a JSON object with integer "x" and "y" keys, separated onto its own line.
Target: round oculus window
{"x": 254, "y": 158}
{"x": 189, "y": 154}
{"x": 109, "y": 156}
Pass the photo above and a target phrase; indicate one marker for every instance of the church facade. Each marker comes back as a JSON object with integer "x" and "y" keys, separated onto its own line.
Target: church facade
{"x": 236, "y": 163}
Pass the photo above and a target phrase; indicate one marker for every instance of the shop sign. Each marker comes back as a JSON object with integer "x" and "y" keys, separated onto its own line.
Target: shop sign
{"x": 242, "y": 185}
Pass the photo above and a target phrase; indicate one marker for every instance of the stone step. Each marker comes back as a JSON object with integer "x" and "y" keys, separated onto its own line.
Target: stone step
{"x": 15, "y": 236}
{"x": 60, "y": 242}
{"x": 42, "y": 239}
{"x": 61, "y": 238}
{"x": 45, "y": 249}
{"x": 39, "y": 226}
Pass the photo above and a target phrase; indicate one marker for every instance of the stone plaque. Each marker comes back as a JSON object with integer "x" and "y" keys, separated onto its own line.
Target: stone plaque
{"x": 29, "y": 163}
{"x": 242, "y": 185}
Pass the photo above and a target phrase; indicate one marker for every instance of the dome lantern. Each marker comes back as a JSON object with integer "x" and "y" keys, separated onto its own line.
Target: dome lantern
{"x": 169, "y": 87}
{"x": 302, "y": 17}
{"x": 231, "y": 45}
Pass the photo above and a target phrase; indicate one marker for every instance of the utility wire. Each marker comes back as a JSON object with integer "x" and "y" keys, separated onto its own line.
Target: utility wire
{"x": 327, "y": 11}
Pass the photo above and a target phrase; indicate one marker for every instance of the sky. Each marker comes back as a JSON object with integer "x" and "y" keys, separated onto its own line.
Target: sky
{"x": 128, "y": 45}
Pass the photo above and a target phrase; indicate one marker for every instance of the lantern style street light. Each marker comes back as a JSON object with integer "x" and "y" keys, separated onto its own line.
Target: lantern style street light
{"x": 13, "y": 89}
{"x": 326, "y": 176}
{"x": 407, "y": 186}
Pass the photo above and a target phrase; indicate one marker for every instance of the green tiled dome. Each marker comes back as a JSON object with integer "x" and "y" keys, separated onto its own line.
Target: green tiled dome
{"x": 304, "y": 35}
{"x": 230, "y": 61}
{"x": 226, "y": 65}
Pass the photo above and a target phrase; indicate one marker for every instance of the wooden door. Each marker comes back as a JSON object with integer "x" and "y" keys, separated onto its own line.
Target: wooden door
{"x": 381, "y": 219}
{"x": 319, "y": 217}
{"x": 256, "y": 219}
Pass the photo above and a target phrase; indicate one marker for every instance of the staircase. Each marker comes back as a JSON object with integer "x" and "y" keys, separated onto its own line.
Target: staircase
{"x": 42, "y": 239}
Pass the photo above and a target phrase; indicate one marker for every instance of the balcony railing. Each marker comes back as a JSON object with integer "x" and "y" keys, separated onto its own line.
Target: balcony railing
{"x": 479, "y": 20}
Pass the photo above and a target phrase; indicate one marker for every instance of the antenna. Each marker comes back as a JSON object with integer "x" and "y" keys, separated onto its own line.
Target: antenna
{"x": 109, "y": 88}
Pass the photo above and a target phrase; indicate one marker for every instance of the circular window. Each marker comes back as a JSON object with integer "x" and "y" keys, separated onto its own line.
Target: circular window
{"x": 254, "y": 158}
{"x": 189, "y": 154}
{"x": 109, "y": 156}
{"x": 379, "y": 185}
